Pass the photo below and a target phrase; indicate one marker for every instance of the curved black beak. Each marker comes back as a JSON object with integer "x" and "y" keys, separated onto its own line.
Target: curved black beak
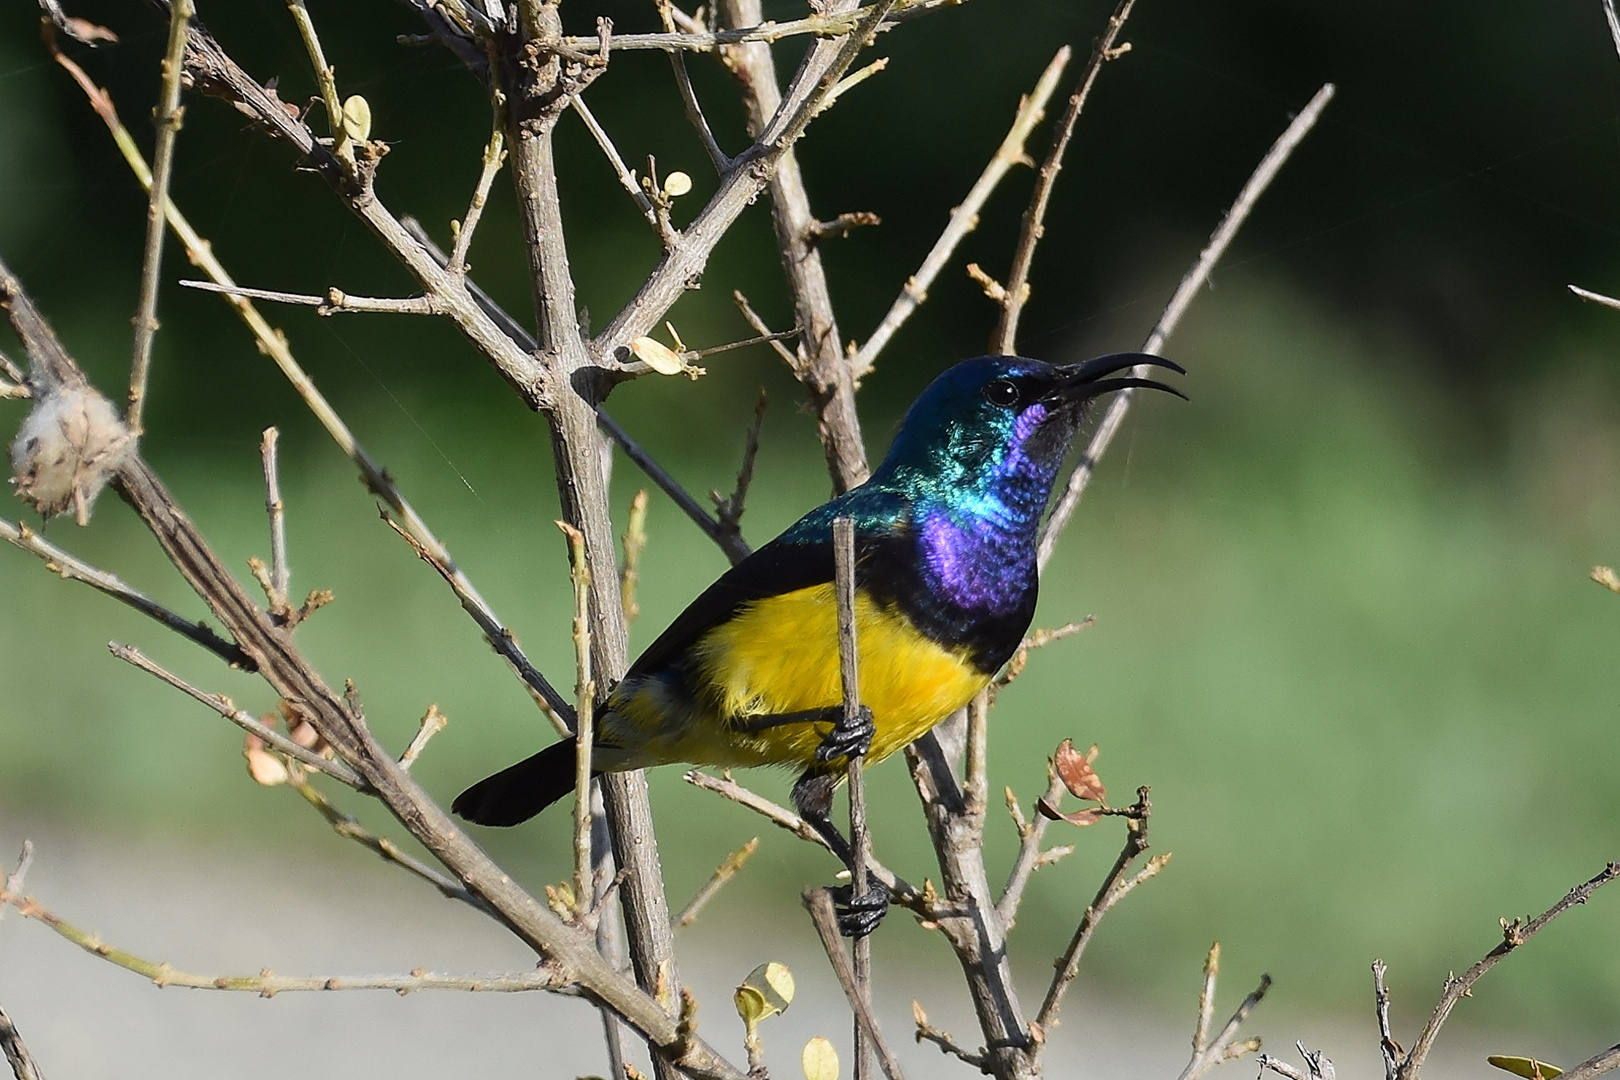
{"x": 1081, "y": 382}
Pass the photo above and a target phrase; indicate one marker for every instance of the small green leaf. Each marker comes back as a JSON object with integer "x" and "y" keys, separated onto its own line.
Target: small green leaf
{"x": 820, "y": 1060}
{"x": 768, "y": 990}
{"x": 357, "y": 119}
{"x": 1529, "y": 1068}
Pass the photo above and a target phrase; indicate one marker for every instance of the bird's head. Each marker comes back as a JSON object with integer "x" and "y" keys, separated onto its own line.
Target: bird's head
{"x": 1005, "y": 419}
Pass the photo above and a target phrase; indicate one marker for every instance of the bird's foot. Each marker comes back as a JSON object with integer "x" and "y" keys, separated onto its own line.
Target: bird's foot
{"x": 860, "y": 915}
{"x": 848, "y": 739}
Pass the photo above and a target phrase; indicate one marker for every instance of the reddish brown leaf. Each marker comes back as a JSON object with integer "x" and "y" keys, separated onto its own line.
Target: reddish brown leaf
{"x": 1081, "y": 818}
{"x": 1077, "y": 774}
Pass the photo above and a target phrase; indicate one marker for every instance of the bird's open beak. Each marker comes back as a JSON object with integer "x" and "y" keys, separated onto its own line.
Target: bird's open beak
{"x": 1081, "y": 382}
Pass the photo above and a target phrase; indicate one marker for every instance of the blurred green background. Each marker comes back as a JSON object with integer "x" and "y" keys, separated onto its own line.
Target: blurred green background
{"x": 1344, "y": 627}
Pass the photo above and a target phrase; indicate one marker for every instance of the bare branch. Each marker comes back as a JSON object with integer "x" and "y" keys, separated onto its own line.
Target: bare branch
{"x": 965, "y": 218}
{"x": 730, "y": 510}
{"x": 167, "y": 119}
{"x": 822, "y": 25}
{"x": 694, "y": 110}
{"x": 494, "y": 157}
{"x": 268, "y": 984}
{"x": 1031, "y": 834}
{"x": 1596, "y": 1065}
{"x": 69, "y": 568}
{"x": 820, "y": 905}
{"x": 223, "y": 705}
{"x": 634, "y": 542}
{"x": 1387, "y": 1046}
{"x": 626, "y": 180}
{"x": 1224, "y": 1047}
{"x": 1614, "y": 23}
{"x": 23, "y": 1065}
{"x": 1034, "y": 224}
{"x": 433, "y": 722}
{"x": 860, "y": 839}
{"x": 1194, "y": 280}
{"x": 335, "y": 302}
{"x": 324, "y": 78}
{"x": 1588, "y": 294}
{"x": 1514, "y": 934}
{"x": 926, "y": 1032}
{"x": 584, "y": 713}
{"x": 1114, "y": 888}
{"x": 280, "y": 575}
{"x": 723, "y": 873}
{"x": 14, "y": 880}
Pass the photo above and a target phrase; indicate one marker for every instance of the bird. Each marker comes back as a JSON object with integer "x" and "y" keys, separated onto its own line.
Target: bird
{"x": 946, "y": 579}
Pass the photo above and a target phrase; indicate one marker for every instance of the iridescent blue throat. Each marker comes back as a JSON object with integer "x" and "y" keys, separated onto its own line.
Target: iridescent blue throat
{"x": 976, "y": 533}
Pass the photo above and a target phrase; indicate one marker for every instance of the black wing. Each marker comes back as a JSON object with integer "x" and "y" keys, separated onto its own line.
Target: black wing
{"x": 782, "y": 566}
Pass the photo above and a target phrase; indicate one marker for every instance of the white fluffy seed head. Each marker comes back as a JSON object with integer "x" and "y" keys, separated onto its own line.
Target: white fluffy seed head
{"x": 66, "y": 451}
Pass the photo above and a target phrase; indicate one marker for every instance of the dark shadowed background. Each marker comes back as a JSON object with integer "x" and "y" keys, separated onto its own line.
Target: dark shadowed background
{"x": 1344, "y": 627}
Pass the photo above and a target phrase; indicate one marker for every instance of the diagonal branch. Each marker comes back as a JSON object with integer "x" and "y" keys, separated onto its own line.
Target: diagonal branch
{"x": 1191, "y": 283}
{"x": 1034, "y": 225}
{"x": 965, "y": 218}
{"x": 168, "y": 127}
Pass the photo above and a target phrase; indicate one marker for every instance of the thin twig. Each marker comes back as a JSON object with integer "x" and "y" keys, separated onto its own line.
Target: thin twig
{"x": 1514, "y": 934}
{"x": 1178, "y": 305}
{"x": 494, "y": 156}
{"x": 1034, "y": 223}
{"x": 268, "y": 984}
{"x": 280, "y": 575}
{"x": 1387, "y": 1046}
{"x": 584, "y": 714}
{"x": 689, "y": 100}
{"x": 1224, "y": 1046}
{"x": 723, "y": 873}
{"x": 1030, "y": 835}
{"x": 1114, "y": 888}
{"x": 1037, "y": 640}
{"x": 818, "y": 902}
{"x": 730, "y": 510}
{"x": 1614, "y": 23}
{"x": 634, "y": 542}
{"x": 324, "y": 78}
{"x": 337, "y": 770}
{"x": 167, "y": 119}
{"x": 822, "y": 26}
{"x": 335, "y": 302}
{"x": 349, "y": 827}
{"x": 69, "y": 568}
{"x": 1588, "y": 294}
{"x": 965, "y": 218}
{"x": 1206, "y": 999}
{"x": 23, "y": 1065}
{"x": 1194, "y": 280}
{"x": 860, "y": 840}
{"x": 764, "y": 330}
{"x": 14, "y": 880}
{"x": 729, "y": 540}
{"x": 433, "y": 722}
{"x": 626, "y": 179}
{"x": 927, "y": 1032}
{"x": 1596, "y": 1065}
{"x": 1317, "y": 1066}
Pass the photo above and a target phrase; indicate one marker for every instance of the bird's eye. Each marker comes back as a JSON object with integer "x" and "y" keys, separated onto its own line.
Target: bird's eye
{"x": 1002, "y": 392}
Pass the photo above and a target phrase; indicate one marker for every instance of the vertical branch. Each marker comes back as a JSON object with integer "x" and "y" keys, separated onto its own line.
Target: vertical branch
{"x": 23, "y": 1065}
{"x": 584, "y": 715}
{"x": 280, "y": 574}
{"x": 1194, "y": 280}
{"x": 324, "y": 78}
{"x": 821, "y": 364}
{"x": 537, "y": 87}
{"x": 1017, "y": 287}
{"x": 168, "y": 127}
{"x": 843, "y": 530}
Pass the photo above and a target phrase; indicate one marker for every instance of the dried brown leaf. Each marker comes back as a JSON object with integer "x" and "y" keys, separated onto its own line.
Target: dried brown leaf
{"x": 1077, "y": 774}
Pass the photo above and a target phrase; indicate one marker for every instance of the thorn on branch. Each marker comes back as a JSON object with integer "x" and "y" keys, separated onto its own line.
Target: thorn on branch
{"x": 723, "y": 873}
{"x": 433, "y": 722}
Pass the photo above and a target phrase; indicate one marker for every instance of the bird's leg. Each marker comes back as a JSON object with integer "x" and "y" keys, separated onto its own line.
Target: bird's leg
{"x": 843, "y": 740}
{"x": 849, "y": 737}
{"x": 812, "y": 798}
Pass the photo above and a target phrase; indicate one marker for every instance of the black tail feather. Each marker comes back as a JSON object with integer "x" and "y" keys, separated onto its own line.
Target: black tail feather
{"x": 518, "y": 792}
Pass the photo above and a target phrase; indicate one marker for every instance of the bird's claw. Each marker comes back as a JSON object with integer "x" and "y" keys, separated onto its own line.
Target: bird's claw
{"x": 846, "y": 739}
{"x": 860, "y": 915}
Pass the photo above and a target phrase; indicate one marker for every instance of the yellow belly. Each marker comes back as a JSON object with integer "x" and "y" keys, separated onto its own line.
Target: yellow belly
{"x": 780, "y": 655}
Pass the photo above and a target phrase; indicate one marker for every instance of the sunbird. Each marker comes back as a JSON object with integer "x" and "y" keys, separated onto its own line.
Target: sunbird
{"x": 945, "y": 580}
